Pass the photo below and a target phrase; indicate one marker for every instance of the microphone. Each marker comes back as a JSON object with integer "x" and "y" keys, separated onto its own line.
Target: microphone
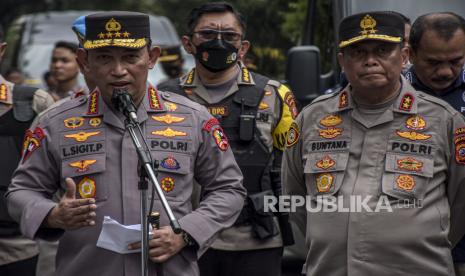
{"x": 122, "y": 101}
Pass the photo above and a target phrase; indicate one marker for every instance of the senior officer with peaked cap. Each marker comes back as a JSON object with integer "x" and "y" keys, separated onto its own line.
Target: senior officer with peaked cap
{"x": 82, "y": 149}
{"x": 385, "y": 145}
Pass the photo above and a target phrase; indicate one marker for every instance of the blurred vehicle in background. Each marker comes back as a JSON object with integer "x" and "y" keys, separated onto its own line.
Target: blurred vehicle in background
{"x": 31, "y": 39}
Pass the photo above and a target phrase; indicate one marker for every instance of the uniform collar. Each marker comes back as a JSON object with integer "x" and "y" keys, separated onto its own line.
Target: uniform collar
{"x": 191, "y": 79}
{"x": 412, "y": 77}
{"x": 406, "y": 101}
{"x": 96, "y": 106}
{"x": 6, "y": 89}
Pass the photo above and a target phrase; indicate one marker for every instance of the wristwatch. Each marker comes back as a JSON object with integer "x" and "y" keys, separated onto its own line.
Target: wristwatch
{"x": 188, "y": 239}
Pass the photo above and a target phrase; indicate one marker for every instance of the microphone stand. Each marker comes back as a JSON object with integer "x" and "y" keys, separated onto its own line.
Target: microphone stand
{"x": 144, "y": 159}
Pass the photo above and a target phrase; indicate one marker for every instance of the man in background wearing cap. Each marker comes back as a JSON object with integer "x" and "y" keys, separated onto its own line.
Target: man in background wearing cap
{"x": 172, "y": 62}
{"x": 81, "y": 148}
{"x": 386, "y": 162}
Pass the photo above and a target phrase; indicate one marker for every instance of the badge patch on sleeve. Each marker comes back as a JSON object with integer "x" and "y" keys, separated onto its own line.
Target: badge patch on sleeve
{"x": 293, "y": 135}
{"x": 32, "y": 141}
{"x": 290, "y": 102}
{"x": 460, "y": 152}
{"x": 220, "y": 139}
{"x": 167, "y": 184}
{"x": 210, "y": 124}
{"x": 86, "y": 187}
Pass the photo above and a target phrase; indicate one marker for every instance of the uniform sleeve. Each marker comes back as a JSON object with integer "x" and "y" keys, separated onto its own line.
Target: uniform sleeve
{"x": 287, "y": 113}
{"x": 456, "y": 179}
{"x": 292, "y": 171}
{"x": 29, "y": 196}
{"x": 221, "y": 179}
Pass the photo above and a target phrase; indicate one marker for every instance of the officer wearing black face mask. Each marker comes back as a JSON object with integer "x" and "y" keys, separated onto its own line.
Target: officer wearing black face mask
{"x": 256, "y": 114}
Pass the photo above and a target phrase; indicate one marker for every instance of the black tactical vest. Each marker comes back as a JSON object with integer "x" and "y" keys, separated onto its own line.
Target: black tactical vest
{"x": 13, "y": 125}
{"x": 252, "y": 155}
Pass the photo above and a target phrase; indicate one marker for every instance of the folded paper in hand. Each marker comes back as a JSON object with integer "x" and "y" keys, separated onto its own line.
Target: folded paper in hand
{"x": 116, "y": 237}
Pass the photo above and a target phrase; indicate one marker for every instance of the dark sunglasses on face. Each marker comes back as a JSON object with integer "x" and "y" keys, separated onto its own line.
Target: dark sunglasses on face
{"x": 228, "y": 36}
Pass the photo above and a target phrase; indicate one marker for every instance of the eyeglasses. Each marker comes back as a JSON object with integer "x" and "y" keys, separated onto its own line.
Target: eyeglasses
{"x": 228, "y": 36}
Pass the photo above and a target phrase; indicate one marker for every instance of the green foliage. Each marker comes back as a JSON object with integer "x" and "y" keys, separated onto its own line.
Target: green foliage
{"x": 294, "y": 20}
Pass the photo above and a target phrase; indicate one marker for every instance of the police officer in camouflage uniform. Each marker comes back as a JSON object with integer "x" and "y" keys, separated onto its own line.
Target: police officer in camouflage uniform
{"x": 81, "y": 148}
{"x": 255, "y": 113}
{"x": 383, "y": 165}
{"x": 438, "y": 56}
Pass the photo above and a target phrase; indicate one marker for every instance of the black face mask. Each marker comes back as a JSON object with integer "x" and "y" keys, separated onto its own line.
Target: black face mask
{"x": 173, "y": 71}
{"x": 216, "y": 55}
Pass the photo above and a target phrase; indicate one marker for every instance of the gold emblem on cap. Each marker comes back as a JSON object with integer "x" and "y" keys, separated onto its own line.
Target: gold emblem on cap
{"x": 367, "y": 23}
{"x": 113, "y": 25}
{"x": 324, "y": 181}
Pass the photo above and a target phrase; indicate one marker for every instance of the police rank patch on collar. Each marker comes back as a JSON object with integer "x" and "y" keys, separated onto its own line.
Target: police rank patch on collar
{"x": 168, "y": 119}
{"x": 405, "y": 182}
{"x": 343, "y": 100}
{"x": 246, "y": 75}
{"x": 170, "y": 163}
{"x": 32, "y": 141}
{"x": 325, "y": 163}
{"x": 3, "y": 92}
{"x": 93, "y": 107}
{"x": 86, "y": 188}
{"x": 167, "y": 184}
{"x": 292, "y": 135}
{"x": 168, "y": 132}
{"x": 82, "y": 165}
{"x": 331, "y": 120}
{"x": 73, "y": 122}
{"x": 154, "y": 99}
{"x": 330, "y": 133}
{"x": 82, "y": 136}
{"x": 407, "y": 102}
{"x": 412, "y": 135}
{"x": 324, "y": 182}
{"x": 220, "y": 138}
{"x": 415, "y": 122}
{"x": 190, "y": 77}
{"x": 409, "y": 164}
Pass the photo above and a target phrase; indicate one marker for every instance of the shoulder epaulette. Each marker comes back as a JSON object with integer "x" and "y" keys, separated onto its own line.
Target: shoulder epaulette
{"x": 274, "y": 83}
{"x": 61, "y": 106}
{"x": 437, "y": 101}
{"x": 176, "y": 98}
